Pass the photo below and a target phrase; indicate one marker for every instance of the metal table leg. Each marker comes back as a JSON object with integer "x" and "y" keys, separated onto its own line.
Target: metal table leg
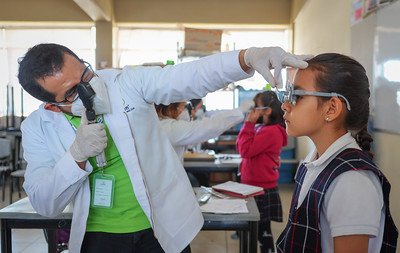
{"x": 5, "y": 237}
{"x": 253, "y": 231}
{"x": 51, "y": 237}
{"x": 243, "y": 241}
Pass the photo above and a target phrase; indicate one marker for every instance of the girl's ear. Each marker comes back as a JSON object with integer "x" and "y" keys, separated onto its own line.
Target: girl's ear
{"x": 51, "y": 107}
{"x": 334, "y": 109}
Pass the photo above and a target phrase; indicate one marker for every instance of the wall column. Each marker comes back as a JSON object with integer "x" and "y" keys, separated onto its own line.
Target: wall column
{"x": 104, "y": 50}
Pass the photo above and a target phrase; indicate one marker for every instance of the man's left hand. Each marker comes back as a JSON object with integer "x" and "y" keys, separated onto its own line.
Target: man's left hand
{"x": 262, "y": 59}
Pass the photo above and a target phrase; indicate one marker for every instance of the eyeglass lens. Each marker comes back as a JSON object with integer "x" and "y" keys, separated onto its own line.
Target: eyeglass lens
{"x": 87, "y": 75}
{"x": 71, "y": 94}
{"x": 285, "y": 96}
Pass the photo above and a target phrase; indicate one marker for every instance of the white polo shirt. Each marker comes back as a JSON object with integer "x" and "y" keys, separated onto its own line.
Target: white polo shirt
{"x": 353, "y": 203}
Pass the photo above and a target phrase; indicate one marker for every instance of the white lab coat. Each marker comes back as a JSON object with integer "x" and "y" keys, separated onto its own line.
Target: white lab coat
{"x": 53, "y": 179}
{"x": 182, "y": 133}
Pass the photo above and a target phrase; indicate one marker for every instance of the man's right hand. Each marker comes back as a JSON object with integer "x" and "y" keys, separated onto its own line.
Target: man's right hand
{"x": 90, "y": 140}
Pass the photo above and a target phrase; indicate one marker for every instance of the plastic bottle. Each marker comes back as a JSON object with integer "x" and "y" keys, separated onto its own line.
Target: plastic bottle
{"x": 267, "y": 86}
{"x": 170, "y": 62}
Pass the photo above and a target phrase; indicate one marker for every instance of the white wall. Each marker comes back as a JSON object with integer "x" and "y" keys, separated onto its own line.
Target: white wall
{"x": 324, "y": 26}
{"x": 321, "y": 26}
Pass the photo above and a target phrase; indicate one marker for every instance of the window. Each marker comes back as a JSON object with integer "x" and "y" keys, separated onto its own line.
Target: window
{"x": 234, "y": 40}
{"x": 135, "y": 46}
{"x": 138, "y": 46}
{"x": 14, "y": 42}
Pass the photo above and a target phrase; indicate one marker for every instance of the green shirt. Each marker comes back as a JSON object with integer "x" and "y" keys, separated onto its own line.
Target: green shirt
{"x": 126, "y": 215}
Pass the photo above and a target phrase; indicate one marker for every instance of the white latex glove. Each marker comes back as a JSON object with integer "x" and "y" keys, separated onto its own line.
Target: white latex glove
{"x": 246, "y": 105}
{"x": 262, "y": 59}
{"x": 90, "y": 140}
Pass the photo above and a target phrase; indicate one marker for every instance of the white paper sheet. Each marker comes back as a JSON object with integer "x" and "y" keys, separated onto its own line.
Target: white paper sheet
{"x": 225, "y": 206}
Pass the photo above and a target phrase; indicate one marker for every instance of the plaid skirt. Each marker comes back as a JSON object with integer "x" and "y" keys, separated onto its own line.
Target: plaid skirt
{"x": 269, "y": 205}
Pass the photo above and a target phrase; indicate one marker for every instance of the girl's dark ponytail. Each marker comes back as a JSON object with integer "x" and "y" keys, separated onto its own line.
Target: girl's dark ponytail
{"x": 364, "y": 140}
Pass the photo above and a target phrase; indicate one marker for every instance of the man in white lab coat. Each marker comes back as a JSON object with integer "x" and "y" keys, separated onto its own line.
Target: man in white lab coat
{"x": 142, "y": 200}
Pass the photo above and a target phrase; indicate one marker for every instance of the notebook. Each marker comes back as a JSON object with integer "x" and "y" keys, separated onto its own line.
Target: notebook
{"x": 238, "y": 190}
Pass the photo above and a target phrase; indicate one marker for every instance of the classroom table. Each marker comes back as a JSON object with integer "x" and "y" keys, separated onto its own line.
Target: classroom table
{"x": 211, "y": 166}
{"x": 206, "y": 167}
{"x": 245, "y": 223}
{"x": 223, "y": 143}
{"x": 20, "y": 215}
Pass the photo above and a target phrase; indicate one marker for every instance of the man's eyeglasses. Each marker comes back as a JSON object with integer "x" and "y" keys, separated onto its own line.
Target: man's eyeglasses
{"x": 72, "y": 95}
{"x": 291, "y": 95}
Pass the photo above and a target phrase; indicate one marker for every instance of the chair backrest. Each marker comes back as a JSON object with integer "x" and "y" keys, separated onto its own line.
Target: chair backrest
{"x": 21, "y": 163}
{"x": 20, "y": 151}
{"x": 5, "y": 148}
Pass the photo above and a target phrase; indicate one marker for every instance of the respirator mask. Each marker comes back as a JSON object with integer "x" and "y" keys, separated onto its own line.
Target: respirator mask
{"x": 184, "y": 115}
{"x": 199, "y": 114}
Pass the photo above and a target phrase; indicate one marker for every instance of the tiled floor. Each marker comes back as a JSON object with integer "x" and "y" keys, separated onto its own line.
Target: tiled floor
{"x": 33, "y": 241}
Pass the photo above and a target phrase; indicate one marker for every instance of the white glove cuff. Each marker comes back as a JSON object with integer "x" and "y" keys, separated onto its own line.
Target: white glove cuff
{"x": 248, "y": 54}
{"x": 76, "y": 153}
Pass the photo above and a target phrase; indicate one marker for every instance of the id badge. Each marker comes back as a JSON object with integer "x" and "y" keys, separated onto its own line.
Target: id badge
{"x": 103, "y": 190}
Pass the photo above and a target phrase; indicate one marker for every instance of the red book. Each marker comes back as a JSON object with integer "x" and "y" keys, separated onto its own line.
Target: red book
{"x": 238, "y": 190}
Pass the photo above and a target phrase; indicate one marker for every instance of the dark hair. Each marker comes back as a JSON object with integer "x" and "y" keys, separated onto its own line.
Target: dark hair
{"x": 41, "y": 61}
{"x": 344, "y": 75}
{"x": 194, "y": 102}
{"x": 167, "y": 111}
{"x": 269, "y": 98}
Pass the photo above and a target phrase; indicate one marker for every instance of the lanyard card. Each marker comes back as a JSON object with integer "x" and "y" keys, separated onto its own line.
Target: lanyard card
{"x": 103, "y": 190}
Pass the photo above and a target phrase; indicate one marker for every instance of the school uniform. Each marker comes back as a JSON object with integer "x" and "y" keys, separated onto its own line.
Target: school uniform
{"x": 340, "y": 193}
{"x": 260, "y": 147}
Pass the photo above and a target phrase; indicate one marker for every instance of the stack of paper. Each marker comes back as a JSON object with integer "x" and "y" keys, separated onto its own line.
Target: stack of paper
{"x": 238, "y": 190}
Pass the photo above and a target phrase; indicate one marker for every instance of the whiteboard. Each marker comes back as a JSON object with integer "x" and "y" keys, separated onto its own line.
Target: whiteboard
{"x": 376, "y": 44}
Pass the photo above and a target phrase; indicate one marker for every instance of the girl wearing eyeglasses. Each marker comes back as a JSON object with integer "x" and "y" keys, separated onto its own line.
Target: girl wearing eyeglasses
{"x": 341, "y": 199}
{"x": 259, "y": 143}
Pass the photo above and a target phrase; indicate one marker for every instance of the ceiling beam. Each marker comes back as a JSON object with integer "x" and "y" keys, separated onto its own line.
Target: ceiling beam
{"x": 97, "y": 10}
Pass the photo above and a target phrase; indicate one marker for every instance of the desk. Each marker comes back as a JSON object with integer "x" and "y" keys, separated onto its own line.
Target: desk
{"x": 245, "y": 223}
{"x": 220, "y": 145}
{"x": 212, "y": 166}
{"x": 226, "y": 141}
{"x": 21, "y": 215}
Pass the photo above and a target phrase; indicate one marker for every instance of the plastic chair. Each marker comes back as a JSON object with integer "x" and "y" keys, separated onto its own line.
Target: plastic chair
{"x": 5, "y": 162}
